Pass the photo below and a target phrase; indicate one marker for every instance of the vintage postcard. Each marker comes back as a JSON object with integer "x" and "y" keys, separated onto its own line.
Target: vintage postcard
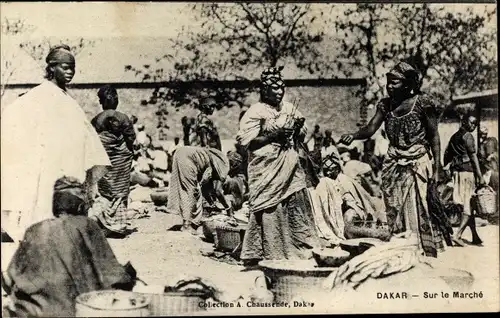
{"x": 198, "y": 158}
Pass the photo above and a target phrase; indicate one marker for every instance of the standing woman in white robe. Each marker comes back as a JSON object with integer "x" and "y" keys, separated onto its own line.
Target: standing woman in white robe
{"x": 46, "y": 135}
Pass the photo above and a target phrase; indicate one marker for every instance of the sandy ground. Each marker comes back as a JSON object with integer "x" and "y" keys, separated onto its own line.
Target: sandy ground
{"x": 161, "y": 256}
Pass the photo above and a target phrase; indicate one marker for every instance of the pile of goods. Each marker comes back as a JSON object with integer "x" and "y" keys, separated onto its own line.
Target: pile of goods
{"x": 384, "y": 260}
{"x": 183, "y": 296}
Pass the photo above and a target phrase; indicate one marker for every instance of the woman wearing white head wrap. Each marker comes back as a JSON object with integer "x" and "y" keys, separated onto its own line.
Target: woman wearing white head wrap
{"x": 45, "y": 135}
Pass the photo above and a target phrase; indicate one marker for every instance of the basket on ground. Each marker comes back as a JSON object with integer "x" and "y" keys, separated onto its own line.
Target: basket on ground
{"x": 293, "y": 278}
{"x": 229, "y": 238}
{"x": 112, "y": 303}
{"x": 176, "y": 303}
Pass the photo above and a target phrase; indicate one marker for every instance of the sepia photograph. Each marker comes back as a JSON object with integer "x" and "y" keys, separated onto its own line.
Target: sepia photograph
{"x": 246, "y": 158}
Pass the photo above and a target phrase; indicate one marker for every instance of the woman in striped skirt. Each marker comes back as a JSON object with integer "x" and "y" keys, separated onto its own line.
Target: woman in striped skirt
{"x": 117, "y": 136}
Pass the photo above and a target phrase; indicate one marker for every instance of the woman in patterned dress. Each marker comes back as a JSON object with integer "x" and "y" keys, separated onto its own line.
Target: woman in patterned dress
{"x": 413, "y": 159}
{"x": 196, "y": 172}
{"x": 117, "y": 135}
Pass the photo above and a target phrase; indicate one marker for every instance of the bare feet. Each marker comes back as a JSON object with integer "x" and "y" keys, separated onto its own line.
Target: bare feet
{"x": 477, "y": 241}
{"x": 458, "y": 241}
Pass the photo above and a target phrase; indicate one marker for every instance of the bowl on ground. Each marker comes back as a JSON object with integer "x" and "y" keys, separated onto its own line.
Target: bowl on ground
{"x": 330, "y": 257}
{"x": 160, "y": 197}
{"x": 358, "y": 246}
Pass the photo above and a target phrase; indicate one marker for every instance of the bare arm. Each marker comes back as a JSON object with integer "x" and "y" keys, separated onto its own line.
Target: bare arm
{"x": 219, "y": 194}
{"x": 203, "y": 137}
{"x": 435, "y": 142}
{"x": 260, "y": 142}
{"x": 128, "y": 133}
{"x": 471, "y": 151}
{"x": 264, "y": 139}
{"x": 367, "y": 131}
{"x": 372, "y": 127}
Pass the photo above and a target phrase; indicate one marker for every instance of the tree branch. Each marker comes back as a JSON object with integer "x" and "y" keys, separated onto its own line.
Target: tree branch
{"x": 288, "y": 34}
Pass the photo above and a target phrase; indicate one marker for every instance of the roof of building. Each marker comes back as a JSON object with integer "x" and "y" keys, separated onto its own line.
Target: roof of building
{"x": 486, "y": 99}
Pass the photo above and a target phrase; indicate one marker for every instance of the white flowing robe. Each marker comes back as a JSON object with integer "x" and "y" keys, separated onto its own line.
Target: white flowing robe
{"x": 45, "y": 135}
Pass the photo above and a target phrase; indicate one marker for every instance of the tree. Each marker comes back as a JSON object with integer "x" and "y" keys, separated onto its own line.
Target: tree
{"x": 236, "y": 39}
{"x": 10, "y": 28}
{"x": 455, "y": 51}
{"x": 38, "y": 49}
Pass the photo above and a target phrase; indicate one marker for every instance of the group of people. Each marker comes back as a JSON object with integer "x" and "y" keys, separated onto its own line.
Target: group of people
{"x": 65, "y": 168}
{"x": 54, "y": 162}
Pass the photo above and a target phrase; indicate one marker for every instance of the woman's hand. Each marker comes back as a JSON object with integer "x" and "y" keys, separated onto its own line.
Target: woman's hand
{"x": 299, "y": 123}
{"x": 347, "y": 139}
{"x": 282, "y": 135}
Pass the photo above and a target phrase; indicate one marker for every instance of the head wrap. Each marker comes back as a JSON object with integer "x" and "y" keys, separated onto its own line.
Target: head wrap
{"x": 272, "y": 77}
{"x": 331, "y": 156}
{"x": 69, "y": 196}
{"x": 208, "y": 102}
{"x": 107, "y": 92}
{"x": 60, "y": 54}
{"x": 235, "y": 159}
{"x": 406, "y": 72}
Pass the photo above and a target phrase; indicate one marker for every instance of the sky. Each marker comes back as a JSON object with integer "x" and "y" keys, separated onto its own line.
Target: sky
{"x": 115, "y": 19}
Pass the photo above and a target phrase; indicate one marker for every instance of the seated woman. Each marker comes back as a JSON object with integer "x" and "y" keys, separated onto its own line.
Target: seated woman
{"x": 342, "y": 208}
{"x": 196, "y": 173}
{"x": 61, "y": 258}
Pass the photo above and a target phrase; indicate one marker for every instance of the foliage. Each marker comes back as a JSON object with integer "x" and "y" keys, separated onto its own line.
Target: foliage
{"x": 38, "y": 49}
{"x": 236, "y": 39}
{"x": 455, "y": 51}
{"x": 10, "y": 27}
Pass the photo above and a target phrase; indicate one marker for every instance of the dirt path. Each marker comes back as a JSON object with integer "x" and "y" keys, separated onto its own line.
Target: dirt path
{"x": 161, "y": 256}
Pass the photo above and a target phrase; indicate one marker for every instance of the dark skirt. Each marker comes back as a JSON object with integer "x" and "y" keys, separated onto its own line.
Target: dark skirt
{"x": 285, "y": 231}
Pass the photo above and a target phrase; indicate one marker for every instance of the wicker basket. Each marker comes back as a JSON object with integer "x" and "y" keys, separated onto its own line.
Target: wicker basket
{"x": 229, "y": 238}
{"x": 294, "y": 278}
{"x": 176, "y": 303}
{"x": 99, "y": 304}
{"x": 487, "y": 201}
